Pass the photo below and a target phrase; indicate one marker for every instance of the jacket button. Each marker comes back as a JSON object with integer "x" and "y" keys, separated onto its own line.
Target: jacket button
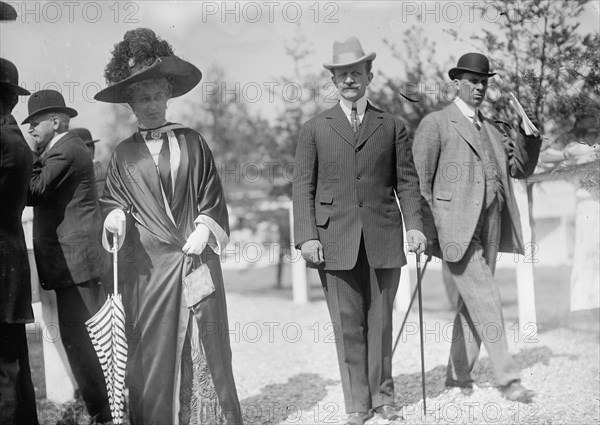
{"x": 358, "y": 177}
{"x": 360, "y": 204}
{"x": 476, "y": 202}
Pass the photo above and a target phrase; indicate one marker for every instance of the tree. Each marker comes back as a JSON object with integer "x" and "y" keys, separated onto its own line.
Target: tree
{"x": 305, "y": 94}
{"x": 418, "y": 86}
{"x": 543, "y": 59}
{"x": 120, "y": 123}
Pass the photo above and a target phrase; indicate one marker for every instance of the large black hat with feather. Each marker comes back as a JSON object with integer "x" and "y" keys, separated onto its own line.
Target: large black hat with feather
{"x": 142, "y": 55}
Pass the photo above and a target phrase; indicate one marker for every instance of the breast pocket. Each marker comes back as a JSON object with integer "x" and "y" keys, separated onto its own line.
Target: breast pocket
{"x": 443, "y": 199}
{"x": 325, "y": 199}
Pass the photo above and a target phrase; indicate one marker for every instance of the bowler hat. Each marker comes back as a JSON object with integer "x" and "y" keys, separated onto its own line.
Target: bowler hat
{"x": 472, "y": 62}
{"x": 9, "y": 78}
{"x": 7, "y": 12}
{"x": 47, "y": 101}
{"x": 84, "y": 134}
{"x": 346, "y": 53}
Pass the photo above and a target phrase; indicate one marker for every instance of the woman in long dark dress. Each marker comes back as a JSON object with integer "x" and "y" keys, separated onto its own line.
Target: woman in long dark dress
{"x": 162, "y": 182}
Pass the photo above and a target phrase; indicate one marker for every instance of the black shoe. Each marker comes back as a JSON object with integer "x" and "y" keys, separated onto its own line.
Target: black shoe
{"x": 515, "y": 391}
{"x": 389, "y": 412}
{"x": 358, "y": 418}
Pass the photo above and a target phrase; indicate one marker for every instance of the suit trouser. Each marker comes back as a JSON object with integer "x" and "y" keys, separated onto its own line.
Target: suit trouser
{"x": 479, "y": 312}
{"x": 75, "y": 305}
{"x": 360, "y": 303}
{"x": 17, "y": 397}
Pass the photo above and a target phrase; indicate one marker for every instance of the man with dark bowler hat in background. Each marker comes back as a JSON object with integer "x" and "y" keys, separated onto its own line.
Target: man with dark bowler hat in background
{"x": 90, "y": 143}
{"x": 17, "y": 397}
{"x": 470, "y": 218}
{"x": 86, "y": 137}
{"x": 355, "y": 164}
{"x": 66, "y": 237}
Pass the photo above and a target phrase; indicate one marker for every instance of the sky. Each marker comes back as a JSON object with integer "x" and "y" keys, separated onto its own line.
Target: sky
{"x": 65, "y": 45}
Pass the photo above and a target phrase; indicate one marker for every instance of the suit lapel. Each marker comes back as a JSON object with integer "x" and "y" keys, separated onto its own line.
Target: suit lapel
{"x": 495, "y": 140}
{"x": 340, "y": 124}
{"x": 148, "y": 174}
{"x": 371, "y": 122}
{"x": 181, "y": 182}
{"x": 142, "y": 176}
{"x": 60, "y": 141}
{"x": 465, "y": 129}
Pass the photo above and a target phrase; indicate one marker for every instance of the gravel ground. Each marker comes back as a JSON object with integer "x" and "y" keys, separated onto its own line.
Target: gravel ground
{"x": 286, "y": 369}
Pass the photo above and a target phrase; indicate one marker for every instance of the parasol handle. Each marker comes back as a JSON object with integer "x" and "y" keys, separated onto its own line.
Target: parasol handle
{"x": 115, "y": 250}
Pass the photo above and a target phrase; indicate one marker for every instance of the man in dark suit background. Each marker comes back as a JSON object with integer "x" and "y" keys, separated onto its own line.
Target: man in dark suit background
{"x": 464, "y": 160}
{"x": 90, "y": 143}
{"x": 17, "y": 397}
{"x": 66, "y": 237}
{"x": 355, "y": 162}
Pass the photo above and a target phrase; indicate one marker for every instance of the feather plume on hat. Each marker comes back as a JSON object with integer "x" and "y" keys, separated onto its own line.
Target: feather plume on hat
{"x": 139, "y": 49}
{"x": 143, "y": 55}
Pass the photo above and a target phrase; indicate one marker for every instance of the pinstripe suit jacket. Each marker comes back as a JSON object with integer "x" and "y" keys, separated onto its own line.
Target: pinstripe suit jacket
{"x": 450, "y": 161}
{"x": 347, "y": 187}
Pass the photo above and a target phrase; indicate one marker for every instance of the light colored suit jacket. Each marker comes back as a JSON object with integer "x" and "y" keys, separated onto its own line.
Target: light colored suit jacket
{"x": 450, "y": 160}
{"x": 347, "y": 187}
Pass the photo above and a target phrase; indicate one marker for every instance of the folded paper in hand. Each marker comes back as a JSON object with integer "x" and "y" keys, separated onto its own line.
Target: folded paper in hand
{"x": 528, "y": 126}
{"x": 197, "y": 285}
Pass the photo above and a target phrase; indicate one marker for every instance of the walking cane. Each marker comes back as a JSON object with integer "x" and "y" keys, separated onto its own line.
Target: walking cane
{"x": 412, "y": 300}
{"x": 421, "y": 330}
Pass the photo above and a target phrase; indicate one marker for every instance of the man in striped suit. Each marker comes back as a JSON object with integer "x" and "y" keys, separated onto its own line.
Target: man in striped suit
{"x": 355, "y": 161}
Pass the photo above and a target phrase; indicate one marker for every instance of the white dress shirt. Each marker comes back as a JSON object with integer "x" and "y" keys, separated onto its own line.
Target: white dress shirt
{"x": 467, "y": 110}
{"x": 361, "y": 106}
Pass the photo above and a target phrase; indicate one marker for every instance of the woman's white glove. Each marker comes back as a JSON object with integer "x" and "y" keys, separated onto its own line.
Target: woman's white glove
{"x": 115, "y": 222}
{"x": 197, "y": 241}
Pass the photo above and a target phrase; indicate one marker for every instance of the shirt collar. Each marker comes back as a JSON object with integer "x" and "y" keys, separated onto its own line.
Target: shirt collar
{"x": 143, "y": 129}
{"x": 467, "y": 110}
{"x": 361, "y": 105}
{"x": 55, "y": 139}
{"x": 158, "y": 131}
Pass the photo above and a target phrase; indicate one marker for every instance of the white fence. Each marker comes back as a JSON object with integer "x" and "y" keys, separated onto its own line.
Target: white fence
{"x": 553, "y": 212}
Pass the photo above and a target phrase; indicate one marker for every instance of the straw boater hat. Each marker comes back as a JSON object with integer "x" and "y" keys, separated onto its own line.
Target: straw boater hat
{"x": 9, "y": 78}
{"x": 346, "y": 53}
{"x": 140, "y": 56}
{"x": 472, "y": 62}
{"x": 47, "y": 101}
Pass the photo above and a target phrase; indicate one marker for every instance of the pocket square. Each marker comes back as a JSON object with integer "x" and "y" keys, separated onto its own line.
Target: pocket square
{"x": 197, "y": 285}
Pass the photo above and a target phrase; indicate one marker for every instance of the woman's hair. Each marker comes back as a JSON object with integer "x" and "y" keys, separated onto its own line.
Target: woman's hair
{"x": 162, "y": 82}
{"x": 140, "y": 48}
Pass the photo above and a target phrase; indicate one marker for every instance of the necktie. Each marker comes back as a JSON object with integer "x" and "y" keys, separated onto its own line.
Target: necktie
{"x": 354, "y": 118}
{"x": 164, "y": 164}
{"x": 476, "y": 122}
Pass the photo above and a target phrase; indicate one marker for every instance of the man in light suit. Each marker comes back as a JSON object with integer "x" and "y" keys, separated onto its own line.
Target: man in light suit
{"x": 464, "y": 160}
{"x": 17, "y": 397}
{"x": 66, "y": 237}
{"x": 355, "y": 161}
